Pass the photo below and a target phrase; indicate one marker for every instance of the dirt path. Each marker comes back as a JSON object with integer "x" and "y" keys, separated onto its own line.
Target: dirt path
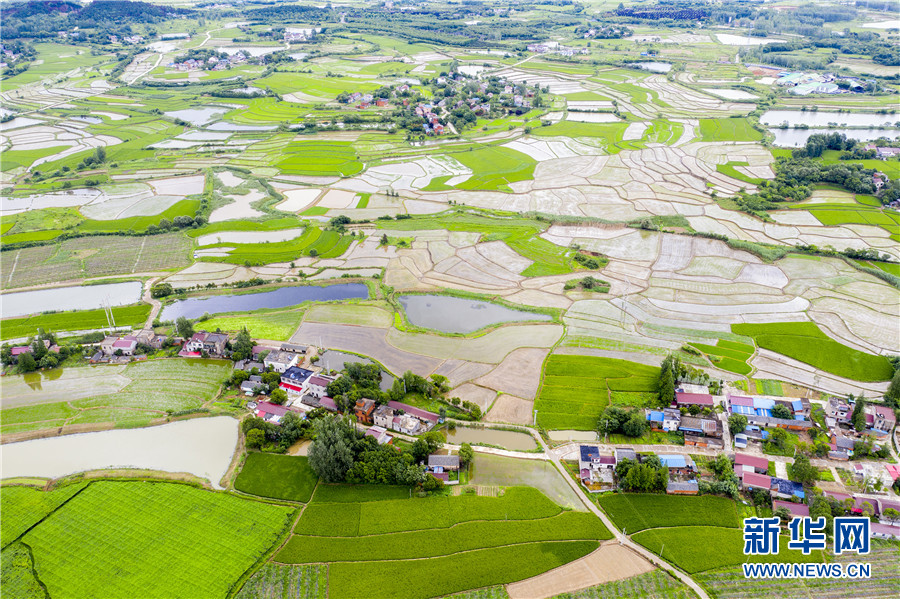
{"x": 156, "y": 304}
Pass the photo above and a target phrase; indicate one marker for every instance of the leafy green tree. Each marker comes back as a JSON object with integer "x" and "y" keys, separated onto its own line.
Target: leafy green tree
{"x": 161, "y": 290}
{"x": 666, "y": 386}
{"x": 184, "y": 327}
{"x": 737, "y": 423}
{"x": 892, "y": 396}
{"x": 783, "y": 513}
{"x": 635, "y": 426}
{"x": 49, "y": 360}
{"x": 781, "y": 411}
{"x": 778, "y": 437}
{"x": 255, "y": 438}
{"x": 331, "y": 454}
{"x": 242, "y": 346}
{"x": 804, "y": 472}
{"x": 858, "y": 419}
{"x": 27, "y": 363}
{"x": 891, "y": 514}
{"x": 278, "y": 396}
{"x": 466, "y": 453}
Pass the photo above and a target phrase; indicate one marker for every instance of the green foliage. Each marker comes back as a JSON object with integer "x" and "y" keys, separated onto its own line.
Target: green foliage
{"x": 575, "y": 389}
{"x": 737, "y": 423}
{"x": 728, "y": 355}
{"x": 635, "y": 512}
{"x": 321, "y": 158}
{"x": 331, "y": 455}
{"x": 494, "y": 167}
{"x": 804, "y": 341}
{"x": 277, "y": 476}
{"x": 729, "y": 129}
{"x": 128, "y": 537}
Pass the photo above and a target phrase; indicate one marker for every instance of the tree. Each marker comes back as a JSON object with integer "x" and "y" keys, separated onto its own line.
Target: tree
{"x": 778, "y": 437}
{"x": 804, "y": 472}
{"x": 737, "y": 423}
{"x": 161, "y": 290}
{"x": 331, "y": 455}
{"x": 242, "y": 347}
{"x": 783, "y": 513}
{"x": 467, "y": 454}
{"x": 892, "y": 395}
{"x": 255, "y": 438}
{"x": 891, "y": 514}
{"x": 278, "y": 396}
{"x": 781, "y": 411}
{"x": 27, "y": 363}
{"x": 49, "y": 361}
{"x": 184, "y": 328}
{"x": 868, "y": 510}
{"x": 635, "y": 426}
{"x": 666, "y": 384}
{"x": 858, "y": 419}
{"x": 384, "y": 239}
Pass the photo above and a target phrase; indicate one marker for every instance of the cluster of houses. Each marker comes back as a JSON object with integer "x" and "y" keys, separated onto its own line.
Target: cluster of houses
{"x": 556, "y": 48}
{"x": 114, "y": 346}
{"x": 804, "y": 84}
{"x": 880, "y": 421}
{"x": 597, "y": 472}
{"x": 882, "y": 153}
{"x": 213, "y": 63}
{"x": 699, "y": 431}
{"x": 128, "y": 39}
{"x": 753, "y": 472}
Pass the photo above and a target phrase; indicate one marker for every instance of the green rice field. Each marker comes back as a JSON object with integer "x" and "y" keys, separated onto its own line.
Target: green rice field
{"x": 81, "y": 320}
{"x": 128, "y": 537}
{"x": 634, "y": 512}
{"x": 277, "y": 477}
{"x": 728, "y": 355}
{"x": 731, "y": 129}
{"x": 804, "y": 341}
{"x": 576, "y": 389}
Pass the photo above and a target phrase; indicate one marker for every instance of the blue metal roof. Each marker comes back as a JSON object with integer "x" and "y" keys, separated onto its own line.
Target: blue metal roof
{"x": 745, "y": 410}
{"x": 797, "y": 405}
{"x": 588, "y": 452}
{"x": 763, "y": 403}
{"x": 655, "y": 417}
{"x": 673, "y": 461}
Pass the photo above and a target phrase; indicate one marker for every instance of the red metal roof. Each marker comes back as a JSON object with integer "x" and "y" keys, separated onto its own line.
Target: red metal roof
{"x": 700, "y": 399}
{"x": 418, "y": 413}
{"x": 737, "y": 400}
{"x": 760, "y": 481}
{"x": 742, "y": 459}
{"x": 796, "y": 509}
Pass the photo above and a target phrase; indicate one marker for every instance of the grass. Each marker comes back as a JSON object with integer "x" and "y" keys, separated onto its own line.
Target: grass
{"x": 57, "y": 59}
{"x": 729, "y": 170}
{"x": 635, "y": 512}
{"x": 327, "y": 244}
{"x": 326, "y": 493}
{"x": 804, "y": 341}
{"x": 78, "y": 320}
{"x": 733, "y": 129}
{"x": 294, "y": 582}
{"x": 701, "y": 548}
{"x": 23, "y": 158}
{"x": 576, "y": 389}
{"x": 23, "y": 507}
{"x": 277, "y": 476}
{"x": 129, "y": 538}
{"x": 656, "y": 584}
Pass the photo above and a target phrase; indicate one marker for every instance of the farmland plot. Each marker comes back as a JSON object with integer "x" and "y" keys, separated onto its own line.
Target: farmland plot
{"x": 130, "y": 538}
{"x": 635, "y": 512}
{"x": 277, "y": 476}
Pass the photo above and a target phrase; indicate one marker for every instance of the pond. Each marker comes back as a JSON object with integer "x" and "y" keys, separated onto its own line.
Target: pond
{"x": 201, "y": 446}
{"x": 458, "y": 315}
{"x": 794, "y": 138}
{"x": 572, "y": 435}
{"x": 823, "y": 119}
{"x": 61, "y": 299}
{"x": 226, "y": 126}
{"x": 655, "y": 67}
{"x": 505, "y": 439}
{"x": 277, "y": 298}
{"x": 336, "y": 360}
{"x": 198, "y": 116}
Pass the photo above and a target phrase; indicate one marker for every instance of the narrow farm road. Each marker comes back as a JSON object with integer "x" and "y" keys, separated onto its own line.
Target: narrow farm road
{"x": 155, "y": 303}
{"x": 622, "y": 538}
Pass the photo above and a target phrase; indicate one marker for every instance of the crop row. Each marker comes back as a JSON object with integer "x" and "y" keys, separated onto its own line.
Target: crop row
{"x": 274, "y": 581}
{"x": 430, "y": 543}
{"x": 635, "y": 512}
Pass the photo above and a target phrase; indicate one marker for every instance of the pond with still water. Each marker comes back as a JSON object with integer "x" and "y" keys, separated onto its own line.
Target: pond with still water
{"x": 505, "y": 439}
{"x": 794, "y": 138}
{"x": 201, "y": 446}
{"x": 459, "y": 315}
{"x": 61, "y": 299}
{"x": 824, "y": 119}
{"x": 279, "y": 298}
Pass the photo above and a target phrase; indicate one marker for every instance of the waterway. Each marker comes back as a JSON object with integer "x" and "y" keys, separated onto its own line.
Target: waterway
{"x": 505, "y": 439}
{"x": 795, "y": 138}
{"x": 821, "y": 118}
{"x": 201, "y": 446}
{"x": 278, "y": 298}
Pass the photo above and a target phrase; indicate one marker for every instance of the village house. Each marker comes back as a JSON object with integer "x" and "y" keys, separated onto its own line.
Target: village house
{"x": 280, "y": 361}
{"x": 363, "y": 410}
{"x": 379, "y": 434}
{"x": 667, "y": 420}
{"x": 595, "y": 468}
{"x": 293, "y": 380}
{"x": 683, "y": 487}
{"x": 625, "y": 453}
{"x": 799, "y": 510}
{"x": 701, "y": 432}
{"x": 253, "y": 386}
{"x": 383, "y": 416}
{"x": 884, "y": 418}
{"x": 749, "y": 463}
{"x": 316, "y": 385}
{"x": 677, "y": 463}
{"x": 211, "y": 343}
{"x": 309, "y": 402}
{"x": 752, "y": 481}
{"x": 684, "y": 400}
{"x": 786, "y": 489}
{"x": 125, "y": 346}
{"x": 271, "y": 412}
{"x": 427, "y": 419}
